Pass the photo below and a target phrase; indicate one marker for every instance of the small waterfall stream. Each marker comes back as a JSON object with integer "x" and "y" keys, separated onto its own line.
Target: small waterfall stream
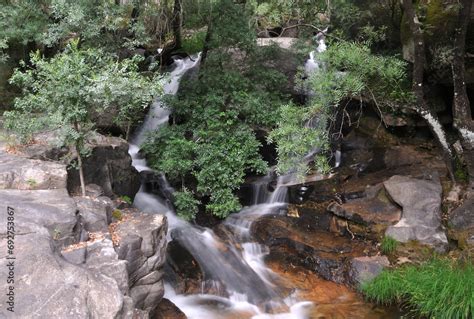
{"x": 234, "y": 265}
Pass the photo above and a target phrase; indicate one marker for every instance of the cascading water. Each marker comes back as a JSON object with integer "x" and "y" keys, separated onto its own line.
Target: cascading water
{"x": 234, "y": 265}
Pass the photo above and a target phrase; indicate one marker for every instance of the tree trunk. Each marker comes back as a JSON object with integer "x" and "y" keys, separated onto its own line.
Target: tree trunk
{"x": 81, "y": 172}
{"x": 462, "y": 116}
{"x": 417, "y": 86}
{"x": 79, "y": 161}
{"x": 207, "y": 43}
{"x": 177, "y": 24}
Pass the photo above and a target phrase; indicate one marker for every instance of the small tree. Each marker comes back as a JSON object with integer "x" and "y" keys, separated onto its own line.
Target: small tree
{"x": 65, "y": 92}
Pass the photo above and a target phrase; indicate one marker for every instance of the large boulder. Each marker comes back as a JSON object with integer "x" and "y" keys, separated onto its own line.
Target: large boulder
{"x": 46, "y": 285}
{"x": 461, "y": 224}
{"x": 109, "y": 166}
{"x": 420, "y": 200}
{"x": 23, "y": 173}
{"x": 374, "y": 211}
{"x": 141, "y": 241}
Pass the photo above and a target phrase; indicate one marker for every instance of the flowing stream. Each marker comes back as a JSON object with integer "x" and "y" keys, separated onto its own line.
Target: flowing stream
{"x": 234, "y": 266}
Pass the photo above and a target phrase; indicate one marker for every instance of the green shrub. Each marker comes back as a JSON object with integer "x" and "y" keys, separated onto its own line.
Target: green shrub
{"x": 389, "y": 245}
{"x": 439, "y": 288}
{"x": 186, "y": 204}
{"x": 126, "y": 199}
{"x": 194, "y": 43}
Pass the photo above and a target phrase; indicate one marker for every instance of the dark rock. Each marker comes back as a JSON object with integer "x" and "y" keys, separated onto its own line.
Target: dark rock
{"x": 374, "y": 210}
{"x": 421, "y": 217}
{"x": 168, "y": 310}
{"x": 315, "y": 249}
{"x": 108, "y": 166}
{"x": 364, "y": 269}
{"x": 461, "y": 224}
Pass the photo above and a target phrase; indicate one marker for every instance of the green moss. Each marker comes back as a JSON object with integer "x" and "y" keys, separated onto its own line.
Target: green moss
{"x": 439, "y": 288}
{"x": 117, "y": 214}
{"x": 460, "y": 172}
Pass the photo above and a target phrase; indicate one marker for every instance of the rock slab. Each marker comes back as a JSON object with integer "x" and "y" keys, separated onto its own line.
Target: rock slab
{"x": 420, "y": 200}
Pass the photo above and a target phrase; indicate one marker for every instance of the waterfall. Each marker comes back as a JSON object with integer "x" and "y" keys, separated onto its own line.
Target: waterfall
{"x": 234, "y": 265}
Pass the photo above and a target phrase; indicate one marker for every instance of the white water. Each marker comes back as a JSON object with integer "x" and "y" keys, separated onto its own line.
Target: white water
{"x": 236, "y": 266}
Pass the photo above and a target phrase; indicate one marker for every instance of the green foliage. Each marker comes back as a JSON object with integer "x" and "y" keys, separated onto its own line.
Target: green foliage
{"x": 126, "y": 199}
{"x": 275, "y": 13}
{"x": 212, "y": 145}
{"x": 67, "y": 91}
{"x": 460, "y": 171}
{"x": 349, "y": 71}
{"x": 53, "y": 23}
{"x": 186, "y": 205}
{"x": 194, "y": 43}
{"x": 439, "y": 288}
{"x": 388, "y": 245}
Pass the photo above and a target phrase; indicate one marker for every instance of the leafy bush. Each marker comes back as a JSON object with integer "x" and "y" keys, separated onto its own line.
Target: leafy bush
{"x": 194, "y": 43}
{"x": 186, "y": 205}
{"x": 349, "y": 70}
{"x": 389, "y": 245}
{"x": 211, "y": 145}
{"x": 439, "y": 288}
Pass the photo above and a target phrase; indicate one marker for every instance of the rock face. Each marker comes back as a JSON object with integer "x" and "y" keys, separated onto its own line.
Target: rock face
{"x": 374, "y": 210}
{"x": 142, "y": 243}
{"x": 461, "y": 224}
{"x": 421, "y": 203}
{"x": 108, "y": 166}
{"x": 24, "y": 173}
{"x": 65, "y": 262}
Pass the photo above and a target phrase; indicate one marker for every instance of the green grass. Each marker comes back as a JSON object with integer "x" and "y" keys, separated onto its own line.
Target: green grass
{"x": 440, "y": 289}
{"x": 389, "y": 245}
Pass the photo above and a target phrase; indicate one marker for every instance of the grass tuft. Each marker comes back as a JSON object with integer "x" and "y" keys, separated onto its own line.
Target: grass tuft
{"x": 439, "y": 288}
{"x": 389, "y": 245}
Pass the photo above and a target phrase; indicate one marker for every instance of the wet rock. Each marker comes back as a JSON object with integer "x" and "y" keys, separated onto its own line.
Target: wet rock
{"x": 142, "y": 243}
{"x": 168, "y": 310}
{"x": 183, "y": 271}
{"x": 23, "y": 173}
{"x": 420, "y": 200}
{"x": 364, "y": 269}
{"x": 375, "y": 211}
{"x": 461, "y": 224}
{"x": 370, "y": 210}
{"x": 108, "y": 166}
{"x": 315, "y": 249}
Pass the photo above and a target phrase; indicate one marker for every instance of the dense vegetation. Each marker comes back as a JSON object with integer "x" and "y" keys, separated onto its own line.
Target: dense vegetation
{"x": 439, "y": 288}
{"x": 76, "y": 61}
{"x": 212, "y": 144}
